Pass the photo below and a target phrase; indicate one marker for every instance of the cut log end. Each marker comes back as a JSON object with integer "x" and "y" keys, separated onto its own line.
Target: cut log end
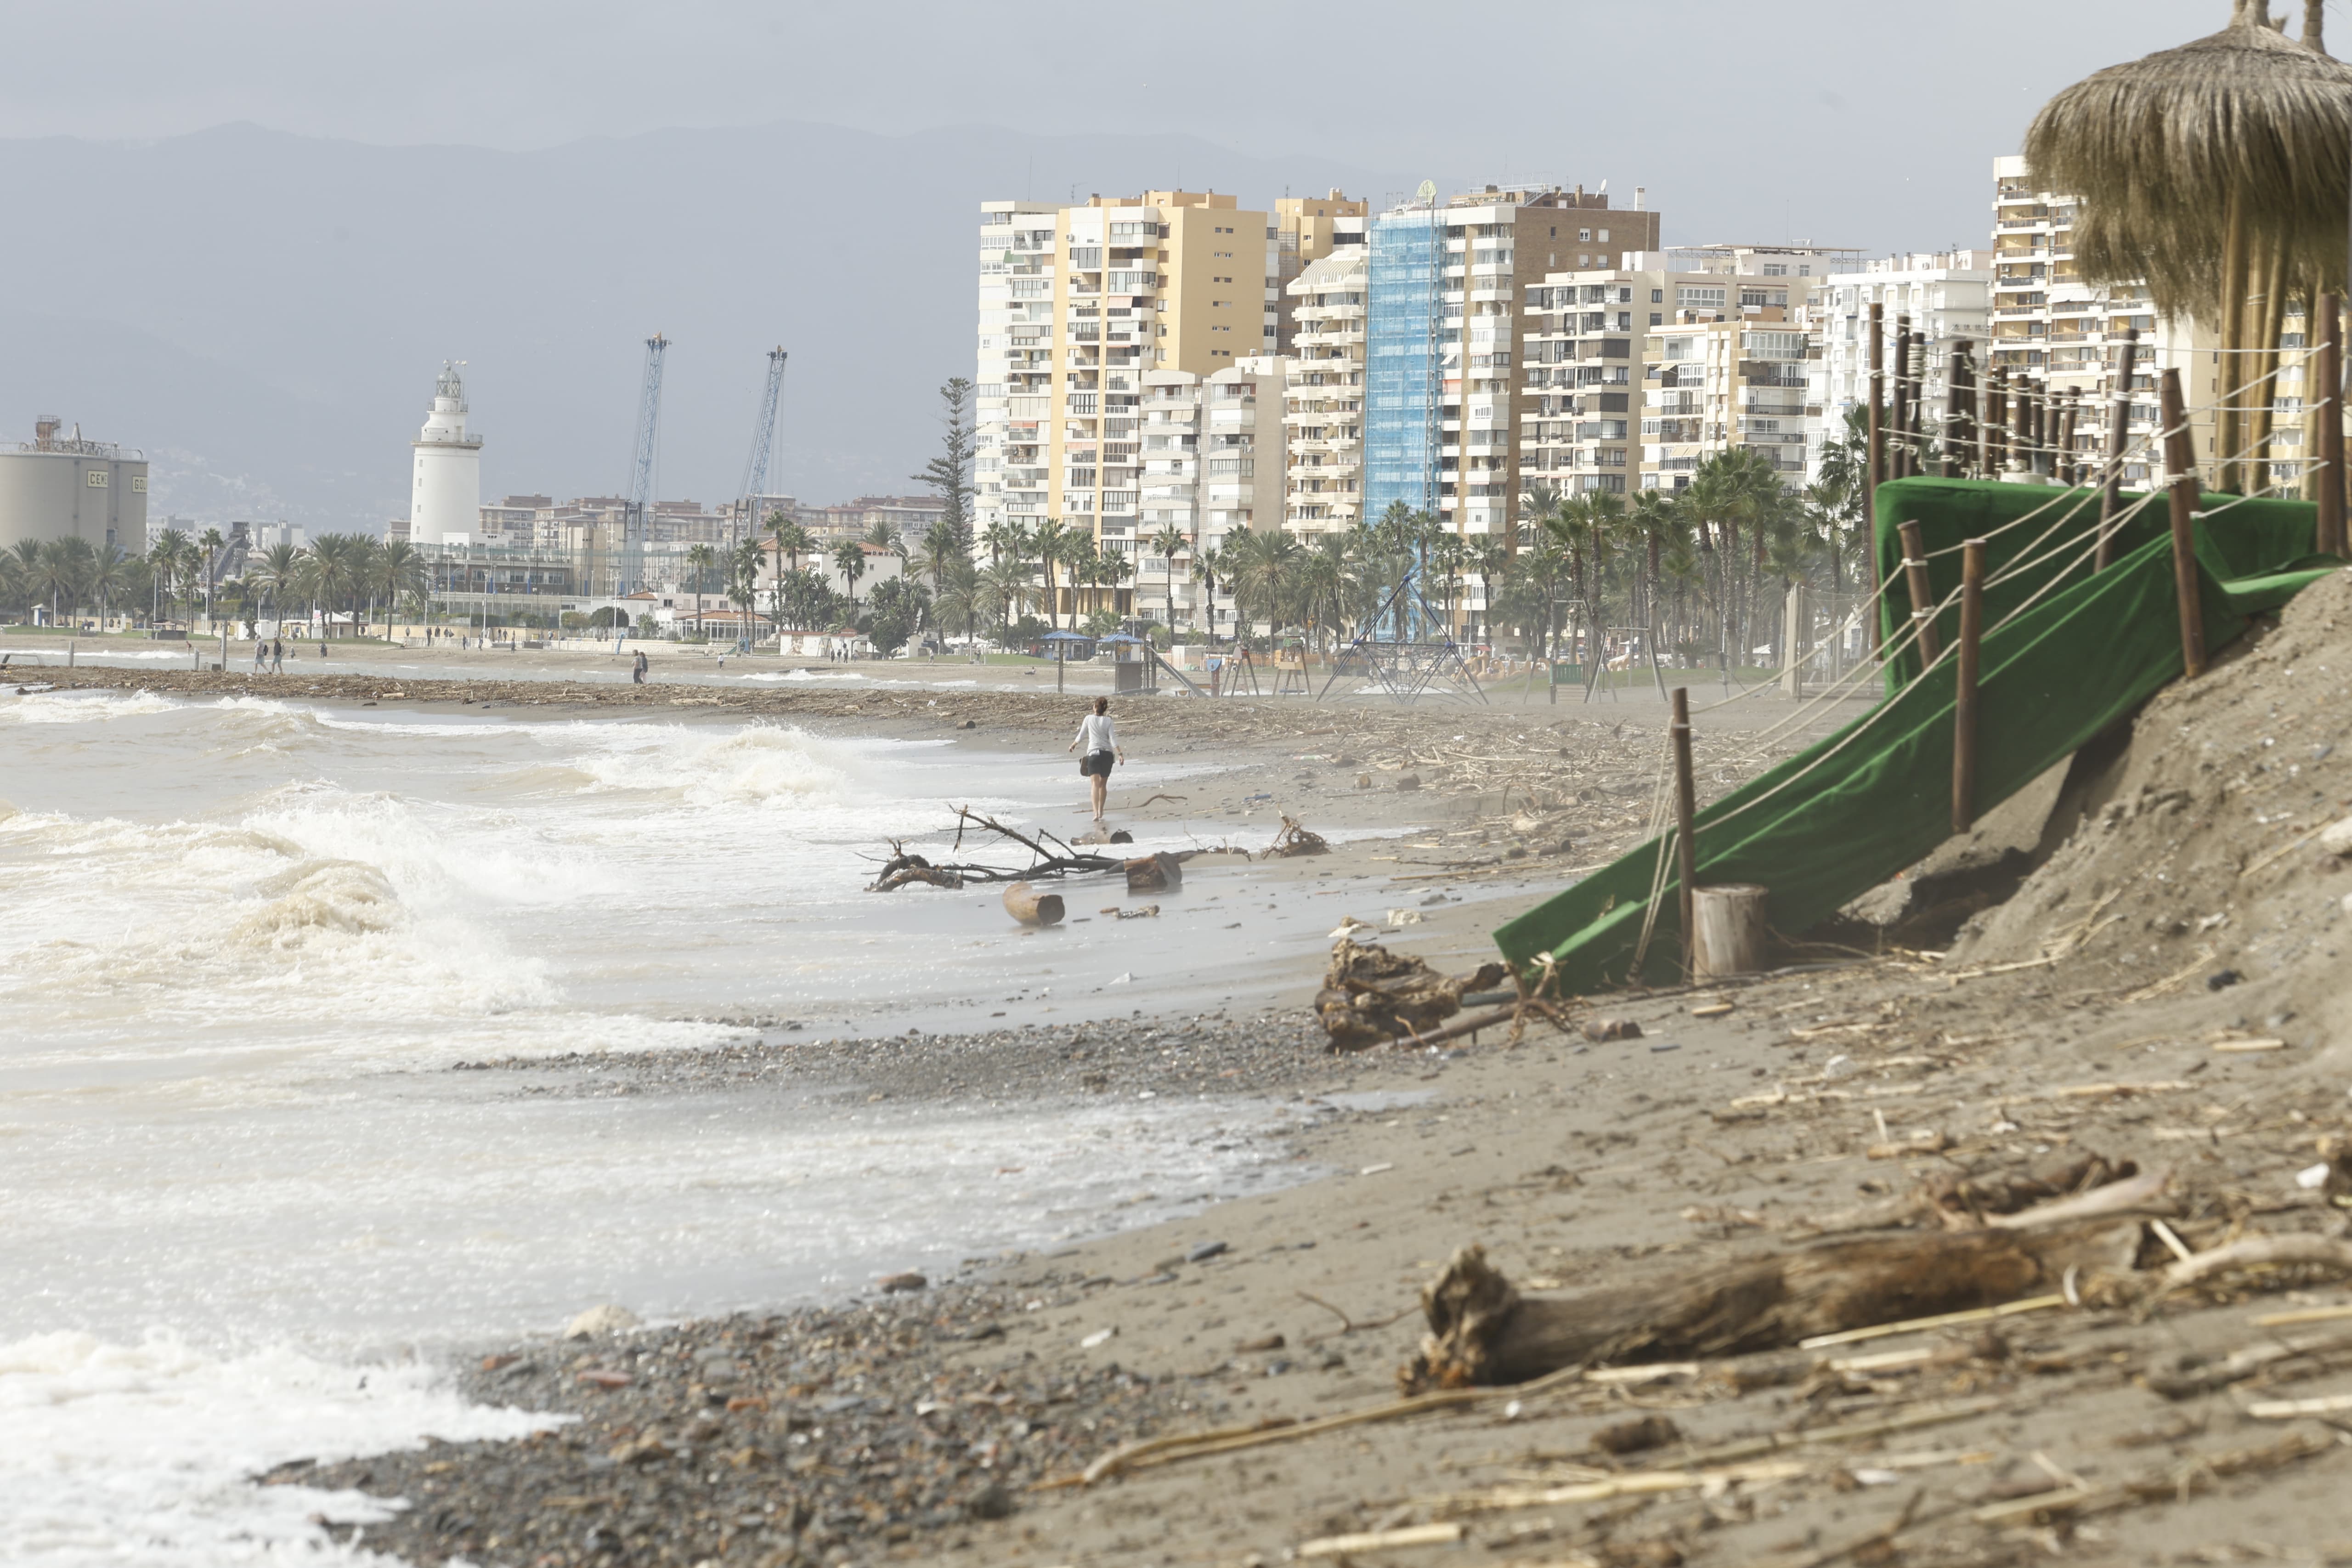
{"x": 1731, "y": 930}
{"x": 1031, "y": 907}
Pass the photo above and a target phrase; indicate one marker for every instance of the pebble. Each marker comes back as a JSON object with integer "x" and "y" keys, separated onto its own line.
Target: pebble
{"x": 842, "y": 1431}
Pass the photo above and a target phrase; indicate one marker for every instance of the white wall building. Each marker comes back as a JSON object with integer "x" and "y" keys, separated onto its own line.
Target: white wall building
{"x": 1947, "y": 297}
{"x": 1213, "y": 461}
{"x": 444, "y": 498}
{"x": 1326, "y": 394}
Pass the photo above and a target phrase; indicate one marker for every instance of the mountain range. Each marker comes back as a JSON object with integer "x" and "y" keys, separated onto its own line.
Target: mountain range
{"x": 264, "y": 314}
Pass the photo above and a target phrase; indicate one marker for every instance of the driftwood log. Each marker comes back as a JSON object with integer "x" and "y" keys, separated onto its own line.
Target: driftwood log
{"x": 1157, "y": 873}
{"x": 1048, "y": 856}
{"x": 1032, "y": 906}
{"x": 1372, "y": 996}
{"x": 1482, "y": 1330}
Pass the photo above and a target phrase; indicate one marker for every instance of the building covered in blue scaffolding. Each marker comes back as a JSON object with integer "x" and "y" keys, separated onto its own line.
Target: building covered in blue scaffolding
{"x": 1404, "y": 351}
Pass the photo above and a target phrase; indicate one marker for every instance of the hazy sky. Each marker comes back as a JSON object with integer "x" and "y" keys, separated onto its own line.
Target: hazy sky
{"x": 1735, "y": 115}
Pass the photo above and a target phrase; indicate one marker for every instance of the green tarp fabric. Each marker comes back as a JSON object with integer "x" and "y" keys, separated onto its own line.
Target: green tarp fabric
{"x": 2053, "y": 531}
{"x": 1848, "y": 813}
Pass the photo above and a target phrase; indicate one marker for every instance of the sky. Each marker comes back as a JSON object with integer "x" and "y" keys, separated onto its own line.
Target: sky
{"x": 1823, "y": 119}
{"x": 313, "y": 204}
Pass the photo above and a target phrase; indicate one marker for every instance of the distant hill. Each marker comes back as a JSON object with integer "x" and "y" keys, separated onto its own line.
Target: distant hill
{"x": 264, "y": 314}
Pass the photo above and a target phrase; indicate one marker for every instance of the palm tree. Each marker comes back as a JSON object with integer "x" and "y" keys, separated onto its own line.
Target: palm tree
{"x": 1006, "y": 585}
{"x": 211, "y": 541}
{"x": 849, "y": 560}
{"x": 62, "y": 568}
{"x": 699, "y": 559}
{"x": 1084, "y": 563}
{"x": 163, "y": 558}
{"x": 1208, "y": 565}
{"x": 743, "y": 582}
{"x": 1168, "y": 543}
{"x": 1048, "y": 541}
{"x": 959, "y": 597}
{"x": 396, "y": 568}
{"x": 1004, "y": 539}
{"x": 279, "y": 571}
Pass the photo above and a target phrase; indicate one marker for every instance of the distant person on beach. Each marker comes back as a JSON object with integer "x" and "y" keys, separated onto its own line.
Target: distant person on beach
{"x": 276, "y": 656}
{"x": 637, "y": 670}
{"x": 260, "y": 656}
{"x": 1101, "y": 746}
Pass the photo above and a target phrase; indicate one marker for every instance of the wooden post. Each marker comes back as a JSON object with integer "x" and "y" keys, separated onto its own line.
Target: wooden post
{"x": 1899, "y": 394}
{"x": 1923, "y": 596}
{"x": 1729, "y": 930}
{"x": 1989, "y": 426}
{"x": 1794, "y": 623}
{"x": 2067, "y": 474}
{"x": 2180, "y": 463}
{"x": 2111, "y": 497}
{"x": 1685, "y": 828}
{"x": 1959, "y": 408}
{"x": 1873, "y": 468}
{"x": 1964, "y": 693}
{"x": 2331, "y": 540}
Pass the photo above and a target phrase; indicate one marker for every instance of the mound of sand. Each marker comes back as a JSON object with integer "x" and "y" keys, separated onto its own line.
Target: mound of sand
{"x": 2192, "y": 868}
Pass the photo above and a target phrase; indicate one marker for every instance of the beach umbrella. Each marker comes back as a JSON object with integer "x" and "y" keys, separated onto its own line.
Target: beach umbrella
{"x": 2221, "y": 174}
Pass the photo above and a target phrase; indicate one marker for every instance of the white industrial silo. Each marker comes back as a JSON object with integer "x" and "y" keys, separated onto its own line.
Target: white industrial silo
{"x": 444, "y": 498}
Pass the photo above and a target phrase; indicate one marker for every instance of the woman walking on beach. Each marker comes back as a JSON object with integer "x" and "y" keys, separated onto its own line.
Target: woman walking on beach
{"x": 1101, "y": 747}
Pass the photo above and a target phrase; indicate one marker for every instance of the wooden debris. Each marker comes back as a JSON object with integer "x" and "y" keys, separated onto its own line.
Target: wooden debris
{"x": 2305, "y": 1254}
{"x": 1372, "y": 997}
{"x": 1032, "y": 906}
{"x": 1483, "y": 1332}
{"x": 903, "y": 868}
{"x": 1383, "y": 1540}
{"x": 1296, "y": 840}
{"x": 1156, "y": 873}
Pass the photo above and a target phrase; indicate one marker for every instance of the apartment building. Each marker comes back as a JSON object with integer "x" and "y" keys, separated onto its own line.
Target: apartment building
{"x": 1323, "y": 402}
{"x": 1946, "y": 297}
{"x": 1079, "y": 303}
{"x": 1308, "y": 228}
{"x": 1444, "y": 286}
{"x": 2065, "y": 335}
{"x": 1213, "y": 461}
{"x": 1607, "y": 405}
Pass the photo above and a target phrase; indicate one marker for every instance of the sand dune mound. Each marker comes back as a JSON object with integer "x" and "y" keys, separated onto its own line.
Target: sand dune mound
{"x": 2193, "y": 867}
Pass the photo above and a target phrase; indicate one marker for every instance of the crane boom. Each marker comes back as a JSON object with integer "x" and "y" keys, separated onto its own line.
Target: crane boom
{"x": 763, "y": 434}
{"x": 641, "y": 468}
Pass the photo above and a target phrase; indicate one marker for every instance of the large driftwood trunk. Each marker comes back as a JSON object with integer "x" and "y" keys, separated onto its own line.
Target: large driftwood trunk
{"x": 1481, "y": 1331}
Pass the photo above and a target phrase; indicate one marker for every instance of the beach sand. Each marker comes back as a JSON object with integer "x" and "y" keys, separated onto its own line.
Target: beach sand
{"x": 942, "y": 1423}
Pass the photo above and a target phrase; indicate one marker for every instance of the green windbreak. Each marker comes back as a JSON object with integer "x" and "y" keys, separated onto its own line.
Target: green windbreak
{"x": 2243, "y": 539}
{"x": 1876, "y": 797}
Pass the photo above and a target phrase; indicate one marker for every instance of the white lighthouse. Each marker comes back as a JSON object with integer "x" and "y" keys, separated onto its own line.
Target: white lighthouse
{"x": 445, "y": 497}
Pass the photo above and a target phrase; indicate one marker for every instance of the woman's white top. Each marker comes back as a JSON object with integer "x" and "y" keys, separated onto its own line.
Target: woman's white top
{"x": 1094, "y": 734}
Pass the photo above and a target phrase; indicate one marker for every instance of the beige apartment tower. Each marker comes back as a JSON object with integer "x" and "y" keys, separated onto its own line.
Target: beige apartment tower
{"x": 1078, "y": 303}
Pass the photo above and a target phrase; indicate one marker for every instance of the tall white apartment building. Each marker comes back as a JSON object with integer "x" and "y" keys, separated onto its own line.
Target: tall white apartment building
{"x": 2065, "y": 335}
{"x": 1611, "y": 404}
{"x": 1324, "y": 402}
{"x": 1947, "y": 297}
{"x": 1214, "y": 461}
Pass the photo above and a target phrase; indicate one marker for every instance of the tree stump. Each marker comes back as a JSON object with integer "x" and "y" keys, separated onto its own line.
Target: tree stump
{"x": 1157, "y": 873}
{"x": 1031, "y": 907}
{"x": 1728, "y": 930}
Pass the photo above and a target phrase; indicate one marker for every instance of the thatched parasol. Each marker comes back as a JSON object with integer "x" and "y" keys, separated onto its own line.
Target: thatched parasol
{"x": 2217, "y": 172}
